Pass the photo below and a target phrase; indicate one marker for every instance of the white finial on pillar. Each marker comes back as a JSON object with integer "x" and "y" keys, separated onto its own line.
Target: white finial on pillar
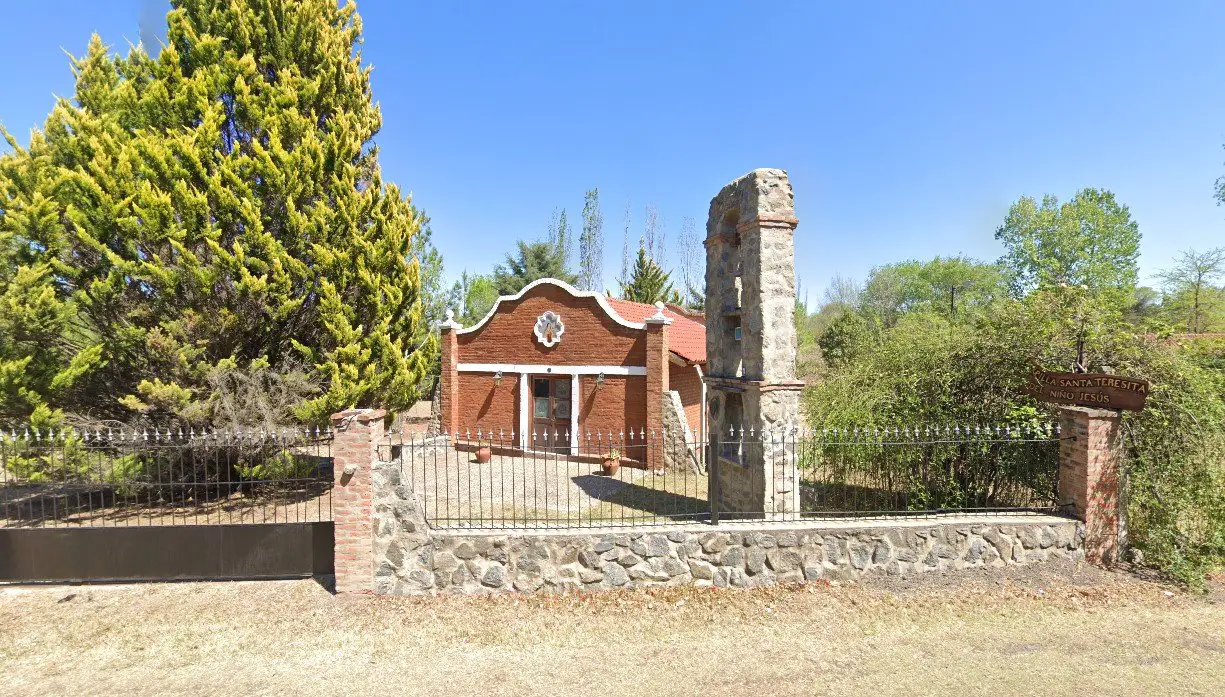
{"x": 449, "y": 322}
{"x": 659, "y": 317}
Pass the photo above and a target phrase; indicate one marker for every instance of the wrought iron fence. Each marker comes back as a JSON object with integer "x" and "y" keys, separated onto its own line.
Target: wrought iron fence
{"x": 124, "y": 477}
{"x": 925, "y": 470}
{"x": 478, "y": 479}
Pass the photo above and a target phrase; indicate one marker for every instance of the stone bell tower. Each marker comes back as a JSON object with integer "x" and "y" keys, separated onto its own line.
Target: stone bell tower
{"x": 751, "y": 346}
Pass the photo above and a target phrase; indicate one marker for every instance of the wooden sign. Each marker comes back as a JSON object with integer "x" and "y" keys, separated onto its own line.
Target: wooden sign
{"x": 1088, "y": 389}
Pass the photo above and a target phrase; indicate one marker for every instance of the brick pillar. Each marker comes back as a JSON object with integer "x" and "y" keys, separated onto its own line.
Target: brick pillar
{"x": 1090, "y": 478}
{"x": 354, "y": 450}
{"x": 657, "y": 384}
{"x": 449, "y": 377}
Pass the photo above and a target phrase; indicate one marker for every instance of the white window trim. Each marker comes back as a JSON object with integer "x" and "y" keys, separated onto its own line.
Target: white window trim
{"x": 575, "y": 393}
{"x": 524, "y": 405}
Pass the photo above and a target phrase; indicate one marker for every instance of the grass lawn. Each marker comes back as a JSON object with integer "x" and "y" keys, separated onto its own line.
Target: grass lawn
{"x": 1064, "y": 629}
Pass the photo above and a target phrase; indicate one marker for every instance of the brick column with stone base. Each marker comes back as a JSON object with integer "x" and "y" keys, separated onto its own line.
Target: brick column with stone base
{"x": 356, "y": 434}
{"x": 1090, "y": 479}
{"x": 657, "y": 385}
{"x": 448, "y": 380}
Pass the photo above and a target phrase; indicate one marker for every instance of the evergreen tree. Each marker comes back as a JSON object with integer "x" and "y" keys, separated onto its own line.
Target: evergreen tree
{"x": 216, "y": 207}
{"x": 430, "y": 260}
{"x": 534, "y": 261}
{"x": 695, "y": 297}
{"x": 471, "y": 297}
{"x": 648, "y": 282}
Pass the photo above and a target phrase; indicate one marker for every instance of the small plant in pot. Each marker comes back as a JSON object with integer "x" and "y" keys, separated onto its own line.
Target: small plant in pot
{"x": 612, "y": 462}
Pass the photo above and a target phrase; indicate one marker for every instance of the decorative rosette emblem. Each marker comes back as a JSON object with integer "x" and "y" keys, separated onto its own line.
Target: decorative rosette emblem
{"x": 549, "y": 328}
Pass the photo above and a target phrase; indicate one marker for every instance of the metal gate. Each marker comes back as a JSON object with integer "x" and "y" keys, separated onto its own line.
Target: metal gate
{"x": 114, "y": 505}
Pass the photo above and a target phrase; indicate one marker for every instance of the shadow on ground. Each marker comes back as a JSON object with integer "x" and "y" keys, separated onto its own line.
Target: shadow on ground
{"x": 645, "y": 499}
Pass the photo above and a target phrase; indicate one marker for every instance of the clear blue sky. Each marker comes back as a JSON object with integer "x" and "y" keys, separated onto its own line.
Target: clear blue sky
{"x": 907, "y": 128}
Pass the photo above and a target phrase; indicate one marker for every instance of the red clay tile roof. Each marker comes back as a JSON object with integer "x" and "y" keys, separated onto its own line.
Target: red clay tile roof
{"x": 696, "y": 315}
{"x": 686, "y": 338}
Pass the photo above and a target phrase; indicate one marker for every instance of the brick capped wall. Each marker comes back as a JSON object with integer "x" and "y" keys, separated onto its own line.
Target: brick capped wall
{"x": 590, "y": 338}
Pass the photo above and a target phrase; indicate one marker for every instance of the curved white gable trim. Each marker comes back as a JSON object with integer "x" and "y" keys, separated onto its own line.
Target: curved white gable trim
{"x": 599, "y": 298}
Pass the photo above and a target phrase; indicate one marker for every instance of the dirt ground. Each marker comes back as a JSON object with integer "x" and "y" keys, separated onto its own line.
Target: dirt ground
{"x": 1063, "y": 629}
{"x": 543, "y": 489}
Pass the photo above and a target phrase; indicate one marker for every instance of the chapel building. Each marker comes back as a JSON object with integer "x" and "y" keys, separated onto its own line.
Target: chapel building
{"x": 560, "y": 368}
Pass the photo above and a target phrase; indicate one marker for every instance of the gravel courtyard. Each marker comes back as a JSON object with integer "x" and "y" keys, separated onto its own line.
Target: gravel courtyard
{"x": 1064, "y": 629}
{"x": 543, "y": 488}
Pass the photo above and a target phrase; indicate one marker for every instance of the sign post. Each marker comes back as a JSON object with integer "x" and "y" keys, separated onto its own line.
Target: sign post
{"x": 1092, "y": 479}
{"x": 1088, "y": 389}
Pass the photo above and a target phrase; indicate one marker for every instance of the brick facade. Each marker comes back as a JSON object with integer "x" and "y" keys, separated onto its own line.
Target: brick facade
{"x": 685, "y": 380}
{"x": 1090, "y": 455}
{"x": 618, "y": 404}
{"x": 354, "y": 454}
{"x": 488, "y": 405}
{"x": 595, "y": 337}
{"x": 591, "y": 336}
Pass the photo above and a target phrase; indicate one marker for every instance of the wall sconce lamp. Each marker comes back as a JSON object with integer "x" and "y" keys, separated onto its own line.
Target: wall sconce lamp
{"x": 599, "y": 381}
{"x": 497, "y": 379}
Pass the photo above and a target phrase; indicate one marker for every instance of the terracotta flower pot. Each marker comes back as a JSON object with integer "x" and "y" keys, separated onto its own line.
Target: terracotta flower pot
{"x": 611, "y": 467}
{"x": 484, "y": 454}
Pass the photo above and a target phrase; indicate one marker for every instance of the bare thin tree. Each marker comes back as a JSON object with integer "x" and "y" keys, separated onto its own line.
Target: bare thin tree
{"x": 559, "y": 234}
{"x": 1191, "y": 280}
{"x": 651, "y": 231}
{"x": 692, "y": 264}
{"x": 625, "y": 248}
{"x": 842, "y": 291}
{"x": 591, "y": 243}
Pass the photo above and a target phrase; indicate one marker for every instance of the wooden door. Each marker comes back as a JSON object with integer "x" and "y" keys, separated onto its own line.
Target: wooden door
{"x": 551, "y": 413}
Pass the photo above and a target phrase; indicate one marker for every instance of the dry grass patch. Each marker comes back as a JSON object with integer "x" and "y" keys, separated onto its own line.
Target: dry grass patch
{"x": 1070, "y": 631}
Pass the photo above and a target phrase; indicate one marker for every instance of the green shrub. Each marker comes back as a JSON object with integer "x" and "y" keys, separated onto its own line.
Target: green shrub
{"x": 928, "y": 370}
{"x": 276, "y": 466}
{"x": 1176, "y": 464}
{"x": 48, "y": 460}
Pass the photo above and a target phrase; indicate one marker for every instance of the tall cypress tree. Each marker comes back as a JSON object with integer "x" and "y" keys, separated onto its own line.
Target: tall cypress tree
{"x": 218, "y": 206}
{"x": 648, "y": 282}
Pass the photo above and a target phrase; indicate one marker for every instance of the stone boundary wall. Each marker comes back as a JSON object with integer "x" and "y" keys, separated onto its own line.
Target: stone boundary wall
{"x": 410, "y": 559}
